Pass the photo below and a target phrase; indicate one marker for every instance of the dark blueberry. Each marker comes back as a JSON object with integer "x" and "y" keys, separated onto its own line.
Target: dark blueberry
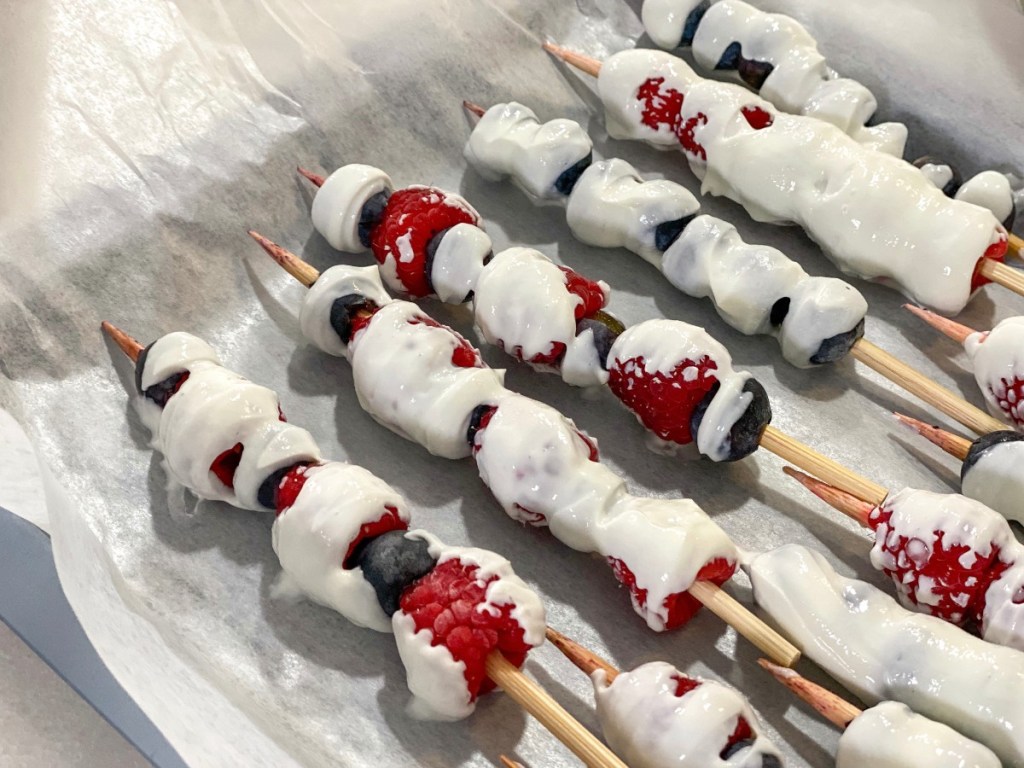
{"x": 391, "y": 562}
{"x": 693, "y": 21}
{"x": 735, "y": 748}
{"x": 160, "y": 392}
{"x": 371, "y": 214}
{"x": 745, "y": 434}
{"x": 666, "y": 233}
{"x": 835, "y": 348}
{"x": 567, "y": 180}
{"x": 753, "y": 72}
{"x": 267, "y": 493}
{"x": 955, "y": 180}
{"x": 478, "y": 420}
{"x": 983, "y": 443}
{"x": 730, "y": 57}
{"x": 344, "y": 309}
{"x": 779, "y": 311}
{"x": 606, "y": 330}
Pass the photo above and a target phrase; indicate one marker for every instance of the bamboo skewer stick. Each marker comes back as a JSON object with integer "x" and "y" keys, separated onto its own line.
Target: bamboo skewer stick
{"x": 535, "y": 700}
{"x": 1015, "y": 246}
{"x": 836, "y": 710}
{"x": 952, "y": 444}
{"x": 582, "y": 657}
{"x": 954, "y": 330}
{"x": 795, "y": 452}
{"x": 473, "y": 109}
{"x": 508, "y": 762}
{"x": 710, "y": 595}
{"x": 849, "y": 505}
{"x": 934, "y": 394}
{"x": 993, "y": 270}
{"x": 524, "y": 691}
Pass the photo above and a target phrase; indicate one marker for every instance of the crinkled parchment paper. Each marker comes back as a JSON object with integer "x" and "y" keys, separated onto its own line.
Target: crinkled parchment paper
{"x": 141, "y": 139}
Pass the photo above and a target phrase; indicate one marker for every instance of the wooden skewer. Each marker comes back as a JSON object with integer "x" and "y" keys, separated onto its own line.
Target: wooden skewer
{"x": 927, "y": 390}
{"x": 713, "y": 597}
{"x": 583, "y": 63}
{"x": 952, "y": 444}
{"x": 836, "y": 710}
{"x": 944, "y": 325}
{"x": 1008, "y": 277}
{"x": 584, "y": 658}
{"x": 849, "y": 505}
{"x": 1015, "y": 246}
{"x": 473, "y": 109}
{"x": 508, "y": 762}
{"x": 535, "y": 700}
{"x": 316, "y": 179}
{"x": 524, "y": 691}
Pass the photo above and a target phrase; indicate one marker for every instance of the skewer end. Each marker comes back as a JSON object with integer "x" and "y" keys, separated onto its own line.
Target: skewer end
{"x": 126, "y": 343}
{"x": 838, "y": 711}
{"x": 313, "y": 178}
{"x": 846, "y": 503}
{"x": 944, "y": 325}
{"x": 508, "y": 762}
{"x": 586, "y": 660}
{"x": 583, "y": 63}
{"x": 952, "y": 444}
{"x": 292, "y": 264}
{"x": 473, "y": 109}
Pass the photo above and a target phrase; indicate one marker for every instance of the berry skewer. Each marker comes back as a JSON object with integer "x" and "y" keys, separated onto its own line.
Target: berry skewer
{"x": 948, "y": 556}
{"x": 993, "y": 465}
{"x": 777, "y": 57}
{"x": 881, "y": 651}
{"x": 876, "y": 216}
{"x": 462, "y": 620}
{"x": 674, "y": 377}
{"x": 425, "y": 382}
{"x": 997, "y": 360}
{"x": 658, "y": 717}
{"x": 756, "y": 289}
{"x": 889, "y": 734}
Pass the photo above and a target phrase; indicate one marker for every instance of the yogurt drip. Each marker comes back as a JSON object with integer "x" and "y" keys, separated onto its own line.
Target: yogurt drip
{"x": 890, "y": 735}
{"x": 792, "y": 169}
{"x": 879, "y": 650}
{"x": 647, "y": 724}
{"x": 997, "y": 357}
{"x": 799, "y": 81}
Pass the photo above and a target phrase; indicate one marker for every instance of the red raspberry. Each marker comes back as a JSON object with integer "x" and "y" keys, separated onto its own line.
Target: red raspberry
{"x": 591, "y": 294}
{"x": 996, "y": 252}
{"x": 464, "y": 355}
{"x": 225, "y": 465}
{"x": 290, "y": 486}
{"x": 664, "y": 107}
{"x": 681, "y": 606}
{"x": 663, "y": 403}
{"x": 389, "y": 521}
{"x": 1010, "y": 408}
{"x": 446, "y": 602}
{"x": 932, "y": 567}
{"x": 757, "y": 117}
{"x": 411, "y": 219}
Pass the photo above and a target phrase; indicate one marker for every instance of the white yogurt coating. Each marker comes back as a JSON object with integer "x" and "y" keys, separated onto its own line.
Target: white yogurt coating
{"x": 510, "y": 141}
{"x": 214, "y": 410}
{"x": 710, "y": 260}
{"x": 405, "y": 380}
{"x": 997, "y": 479}
{"x": 539, "y": 469}
{"x": 313, "y": 535}
{"x": 457, "y": 262}
{"x": 879, "y": 650}
{"x": 917, "y": 516}
{"x": 648, "y": 726}
{"x": 938, "y": 174}
{"x": 876, "y": 216}
{"x": 581, "y": 366}
{"x": 315, "y": 312}
{"x": 436, "y": 680}
{"x": 991, "y": 190}
{"x": 1003, "y": 618}
{"x": 611, "y": 206}
{"x": 997, "y": 357}
{"x": 664, "y": 345}
{"x": 800, "y": 82}
{"x": 890, "y": 735}
{"x": 338, "y": 204}
{"x": 522, "y": 303}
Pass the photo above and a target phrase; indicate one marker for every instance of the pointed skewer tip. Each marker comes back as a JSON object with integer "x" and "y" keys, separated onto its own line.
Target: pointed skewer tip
{"x": 953, "y": 444}
{"x": 473, "y": 109}
{"x": 944, "y": 325}
{"x": 847, "y": 503}
{"x": 314, "y": 178}
{"x": 302, "y": 271}
{"x": 125, "y": 343}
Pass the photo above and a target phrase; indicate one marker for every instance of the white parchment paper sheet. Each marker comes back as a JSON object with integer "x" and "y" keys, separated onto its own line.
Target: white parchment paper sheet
{"x": 140, "y": 140}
